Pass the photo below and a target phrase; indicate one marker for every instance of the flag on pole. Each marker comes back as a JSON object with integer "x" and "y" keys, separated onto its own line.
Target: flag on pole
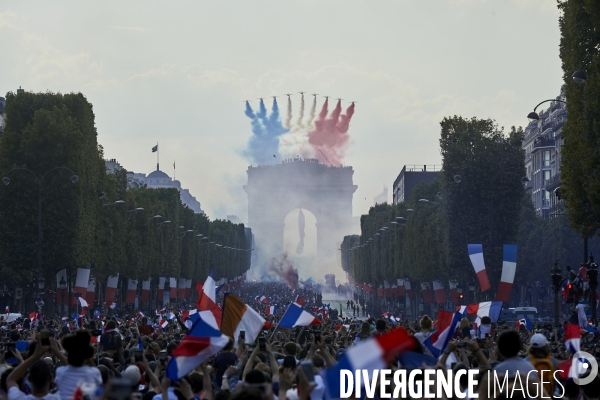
{"x": 199, "y": 345}
{"x": 509, "y": 267}
{"x": 476, "y": 256}
{"x": 295, "y": 316}
{"x": 439, "y": 292}
{"x": 238, "y": 316}
{"x": 207, "y": 301}
{"x": 155, "y": 149}
{"x": 446, "y": 324}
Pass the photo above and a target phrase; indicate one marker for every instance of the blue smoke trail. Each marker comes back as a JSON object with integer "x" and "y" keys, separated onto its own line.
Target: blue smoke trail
{"x": 264, "y": 143}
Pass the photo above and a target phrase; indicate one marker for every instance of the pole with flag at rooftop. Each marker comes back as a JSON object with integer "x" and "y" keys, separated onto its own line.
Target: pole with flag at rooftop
{"x": 155, "y": 150}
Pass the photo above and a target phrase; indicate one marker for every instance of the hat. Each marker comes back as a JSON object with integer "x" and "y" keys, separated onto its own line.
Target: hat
{"x": 133, "y": 374}
{"x": 538, "y": 340}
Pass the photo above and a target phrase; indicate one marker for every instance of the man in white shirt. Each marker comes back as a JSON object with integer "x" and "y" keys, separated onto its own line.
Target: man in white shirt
{"x": 583, "y": 321}
{"x": 40, "y": 377}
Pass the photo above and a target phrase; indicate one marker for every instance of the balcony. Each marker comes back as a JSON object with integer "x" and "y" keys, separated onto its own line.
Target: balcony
{"x": 553, "y": 182}
{"x": 543, "y": 142}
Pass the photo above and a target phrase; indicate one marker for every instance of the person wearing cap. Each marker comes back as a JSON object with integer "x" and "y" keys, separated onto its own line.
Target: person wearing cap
{"x": 542, "y": 360}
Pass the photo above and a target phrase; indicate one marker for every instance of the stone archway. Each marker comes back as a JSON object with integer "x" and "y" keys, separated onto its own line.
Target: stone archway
{"x": 274, "y": 190}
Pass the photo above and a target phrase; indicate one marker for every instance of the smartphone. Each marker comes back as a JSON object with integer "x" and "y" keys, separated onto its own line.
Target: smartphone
{"x": 163, "y": 356}
{"x": 45, "y": 337}
{"x": 243, "y": 334}
{"x": 308, "y": 369}
{"x": 462, "y": 345}
{"x": 317, "y": 337}
{"x": 262, "y": 344}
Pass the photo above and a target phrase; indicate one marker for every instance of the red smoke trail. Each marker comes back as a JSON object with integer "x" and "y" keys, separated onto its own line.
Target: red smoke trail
{"x": 331, "y": 134}
{"x": 283, "y": 267}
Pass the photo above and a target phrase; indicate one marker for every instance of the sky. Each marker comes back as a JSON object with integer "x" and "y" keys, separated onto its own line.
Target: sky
{"x": 178, "y": 73}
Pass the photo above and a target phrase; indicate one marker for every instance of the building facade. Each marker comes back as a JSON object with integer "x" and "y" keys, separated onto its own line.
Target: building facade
{"x": 155, "y": 180}
{"x": 411, "y": 176}
{"x": 542, "y": 142}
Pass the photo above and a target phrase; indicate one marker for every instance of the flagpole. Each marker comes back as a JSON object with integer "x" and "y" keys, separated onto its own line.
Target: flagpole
{"x": 157, "y": 157}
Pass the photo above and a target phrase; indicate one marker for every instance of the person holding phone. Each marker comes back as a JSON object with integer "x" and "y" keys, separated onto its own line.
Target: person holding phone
{"x": 40, "y": 377}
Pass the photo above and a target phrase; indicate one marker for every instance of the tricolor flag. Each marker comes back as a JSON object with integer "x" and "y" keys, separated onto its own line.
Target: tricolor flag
{"x": 111, "y": 289}
{"x": 476, "y": 256}
{"x": 486, "y": 308}
{"x": 572, "y": 338}
{"x": 271, "y": 310}
{"x": 82, "y": 302}
{"x": 207, "y": 301}
{"x": 426, "y": 292}
{"x": 91, "y": 291}
{"x": 34, "y": 317}
{"x": 408, "y": 289}
{"x": 131, "y": 291}
{"x": 400, "y": 289}
{"x": 295, "y": 316}
{"x": 509, "y": 267}
{"x": 439, "y": 292}
{"x": 161, "y": 287}
{"x": 453, "y": 285}
{"x": 369, "y": 355}
{"x": 145, "y": 297}
{"x": 82, "y": 281}
{"x": 264, "y": 300}
{"x": 574, "y": 367}
{"x": 164, "y": 323}
{"x": 446, "y": 324}
{"x": 238, "y": 316}
{"x": 199, "y": 345}
{"x": 173, "y": 288}
{"x": 526, "y": 322}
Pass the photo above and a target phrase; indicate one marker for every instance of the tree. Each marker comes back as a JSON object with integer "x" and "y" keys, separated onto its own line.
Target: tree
{"x": 484, "y": 207}
{"x": 580, "y": 175}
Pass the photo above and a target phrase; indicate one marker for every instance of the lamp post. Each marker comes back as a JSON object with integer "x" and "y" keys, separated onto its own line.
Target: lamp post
{"x": 39, "y": 180}
{"x": 534, "y": 116}
{"x": 556, "y": 282}
{"x": 592, "y": 273}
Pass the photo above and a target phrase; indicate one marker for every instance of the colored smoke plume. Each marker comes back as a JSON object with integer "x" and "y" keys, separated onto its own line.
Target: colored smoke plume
{"x": 264, "y": 142}
{"x": 288, "y": 117}
{"x": 283, "y": 268}
{"x": 311, "y": 114}
{"x": 330, "y": 135}
{"x": 299, "y": 125}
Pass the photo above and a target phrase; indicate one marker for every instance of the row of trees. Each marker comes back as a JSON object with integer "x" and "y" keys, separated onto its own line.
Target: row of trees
{"x": 478, "y": 198}
{"x": 81, "y": 223}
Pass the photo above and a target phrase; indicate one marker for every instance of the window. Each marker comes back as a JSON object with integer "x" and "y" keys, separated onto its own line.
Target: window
{"x": 545, "y": 177}
{"x": 546, "y": 158}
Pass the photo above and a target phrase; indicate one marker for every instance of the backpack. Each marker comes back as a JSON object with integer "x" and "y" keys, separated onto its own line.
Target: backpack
{"x": 545, "y": 365}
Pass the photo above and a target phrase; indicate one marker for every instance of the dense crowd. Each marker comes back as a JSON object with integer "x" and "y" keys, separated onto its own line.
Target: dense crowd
{"x": 126, "y": 358}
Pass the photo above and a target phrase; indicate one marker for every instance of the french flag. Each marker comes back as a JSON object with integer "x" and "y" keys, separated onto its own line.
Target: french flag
{"x": 509, "y": 267}
{"x": 524, "y": 322}
{"x": 572, "y": 338}
{"x": 453, "y": 285}
{"x": 295, "y": 316}
{"x": 426, "y": 292}
{"x": 199, "y": 345}
{"x": 264, "y": 300}
{"x": 486, "y": 308}
{"x": 439, "y": 292}
{"x": 271, "y": 310}
{"x": 572, "y": 368}
{"x": 400, "y": 289}
{"x": 299, "y": 300}
{"x": 207, "y": 303}
{"x": 408, "y": 289}
{"x": 164, "y": 323}
{"x": 370, "y": 355}
{"x": 476, "y": 256}
{"x": 446, "y": 324}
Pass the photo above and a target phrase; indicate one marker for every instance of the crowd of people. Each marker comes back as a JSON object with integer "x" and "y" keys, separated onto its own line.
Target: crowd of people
{"x": 126, "y": 357}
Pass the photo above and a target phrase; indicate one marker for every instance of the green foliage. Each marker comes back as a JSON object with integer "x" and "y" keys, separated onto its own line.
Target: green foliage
{"x": 48, "y": 130}
{"x": 580, "y": 176}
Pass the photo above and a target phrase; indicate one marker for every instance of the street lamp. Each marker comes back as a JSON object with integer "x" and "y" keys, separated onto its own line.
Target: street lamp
{"x": 534, "y": 116}
{"x": 592, "y": 273}
{"x": 114, "y": 203}
{"x": 162, "y": 223}
{"x": 556, "y": 282}
{"x": 157, "y": 216}
{"x": 130, "y": 212}
{"x": 40, "y": 181}
{"x": 579, "y": 77}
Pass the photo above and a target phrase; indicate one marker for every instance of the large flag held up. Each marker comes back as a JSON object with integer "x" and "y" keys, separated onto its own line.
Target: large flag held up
{"x": 509, "y": 267}
{"x": 295, "y": 316}
{"x": 198, "y": 346}
{"x": 485, "y": 308}
{"x": 238, "y": 316}
{"x": 476, "y": 256}
{"x": 207, "y": 304}
{"x": 446, "y": 324}
{"x": 369, "y": 355}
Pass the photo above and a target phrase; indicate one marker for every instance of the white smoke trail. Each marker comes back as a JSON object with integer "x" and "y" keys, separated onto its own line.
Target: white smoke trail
{"x": 288, "y": 118}
{"x": 311, "y": 115}
{"x": 299, "y": 125}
